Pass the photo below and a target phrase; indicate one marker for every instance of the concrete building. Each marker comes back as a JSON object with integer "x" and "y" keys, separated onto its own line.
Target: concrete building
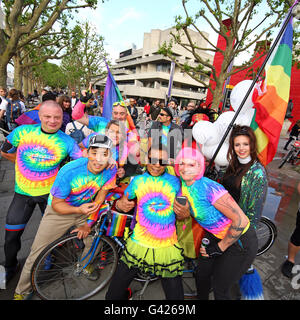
{"x": 145, "y": 74}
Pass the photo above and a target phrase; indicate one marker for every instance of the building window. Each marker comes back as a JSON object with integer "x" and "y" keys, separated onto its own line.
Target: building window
{"x": 164, "y": 67}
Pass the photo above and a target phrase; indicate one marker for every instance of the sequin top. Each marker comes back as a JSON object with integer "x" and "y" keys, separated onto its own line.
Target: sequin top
{"x": 155, "y": 217}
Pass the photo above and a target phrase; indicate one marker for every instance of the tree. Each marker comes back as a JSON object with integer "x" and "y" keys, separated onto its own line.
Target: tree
{"x": 87, "y": 61}
{"x": 244, "y": 31}
{"x": 28, "y": 20}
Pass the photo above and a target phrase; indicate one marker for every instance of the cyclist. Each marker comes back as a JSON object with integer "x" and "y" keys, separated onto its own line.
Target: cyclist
{"x": 153, "y": 246}
{"x": 78, "y": 191}
{"x": 37, "y": 150}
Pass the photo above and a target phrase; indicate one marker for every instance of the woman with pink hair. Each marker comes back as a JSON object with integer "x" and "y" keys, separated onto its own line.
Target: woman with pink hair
{"x": 232, "y": 241}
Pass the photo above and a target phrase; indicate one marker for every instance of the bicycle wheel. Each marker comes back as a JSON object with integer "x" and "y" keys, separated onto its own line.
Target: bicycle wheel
{"x": 266, "y": 234}
{"x": 285, "y": 159}
{"x": 58, "y": 274}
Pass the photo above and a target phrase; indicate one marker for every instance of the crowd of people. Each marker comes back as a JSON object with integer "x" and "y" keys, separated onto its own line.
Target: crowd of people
{"x": 70, "y": 176}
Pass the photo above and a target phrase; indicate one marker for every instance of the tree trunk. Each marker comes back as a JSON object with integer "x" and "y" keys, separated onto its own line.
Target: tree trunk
{"x": 3, "y": 74}
{"x": 18, "y": 72}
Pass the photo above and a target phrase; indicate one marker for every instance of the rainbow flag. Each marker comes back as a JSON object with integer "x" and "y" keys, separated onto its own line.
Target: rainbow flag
{"x": 112, "y": 94}
{"x": 117, "y": 226}
{"x": 271, "y": 103}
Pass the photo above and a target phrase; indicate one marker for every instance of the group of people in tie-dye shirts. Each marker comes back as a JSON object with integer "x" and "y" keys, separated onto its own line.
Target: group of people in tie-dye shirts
{"x": 79, "y": 189}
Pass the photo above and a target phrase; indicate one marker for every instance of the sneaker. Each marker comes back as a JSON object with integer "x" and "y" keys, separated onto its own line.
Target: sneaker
{"x": 24, "y": 296}
{"x": 90, "y": 273}
{"x": 286, "y": 269}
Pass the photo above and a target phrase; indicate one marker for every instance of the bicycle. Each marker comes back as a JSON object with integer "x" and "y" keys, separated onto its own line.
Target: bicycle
{"x": 292, "y": 155}
{"x": 59, "y": 270}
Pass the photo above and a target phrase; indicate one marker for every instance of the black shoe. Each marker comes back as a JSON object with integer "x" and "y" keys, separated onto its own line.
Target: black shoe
{"x": 286, "y": 269}
{"x": 11, "y": 272}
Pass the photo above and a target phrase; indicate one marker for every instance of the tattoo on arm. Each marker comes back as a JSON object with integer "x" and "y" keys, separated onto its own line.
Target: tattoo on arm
{"x": 236, "y": 229}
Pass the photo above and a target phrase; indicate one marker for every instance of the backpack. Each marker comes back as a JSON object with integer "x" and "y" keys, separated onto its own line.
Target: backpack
{"x": 77, "y": 134}
{"x": 14, "y": 110}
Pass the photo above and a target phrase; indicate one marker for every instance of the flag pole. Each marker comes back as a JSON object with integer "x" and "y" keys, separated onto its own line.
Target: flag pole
{"x": 252, "y": 84}
{"x": 170, "y": 82}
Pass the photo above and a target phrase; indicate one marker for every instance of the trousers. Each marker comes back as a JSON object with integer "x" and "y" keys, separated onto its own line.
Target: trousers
{"x": 123, "y": 276}
{"x": 53, "y": 225}
{"x": 18, "y": 215}
{"x": 222, "y": 272}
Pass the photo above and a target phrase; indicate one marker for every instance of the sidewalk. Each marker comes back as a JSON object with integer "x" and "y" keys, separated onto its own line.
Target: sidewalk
{"x": 281, "y": 207}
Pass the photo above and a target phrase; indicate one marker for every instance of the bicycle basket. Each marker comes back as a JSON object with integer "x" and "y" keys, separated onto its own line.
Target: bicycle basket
{"x": 117, "y": 225}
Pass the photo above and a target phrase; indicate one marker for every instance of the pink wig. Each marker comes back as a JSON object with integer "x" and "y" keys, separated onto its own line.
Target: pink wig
{"x": 190, "y": 153}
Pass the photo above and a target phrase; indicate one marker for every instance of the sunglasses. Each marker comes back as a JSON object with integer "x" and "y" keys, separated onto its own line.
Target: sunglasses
{"x": 163, "y": 115}
{"x": 162, "y": 162}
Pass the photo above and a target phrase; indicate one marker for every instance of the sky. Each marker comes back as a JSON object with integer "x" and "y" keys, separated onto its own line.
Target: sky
{"x": 123, "y": 23}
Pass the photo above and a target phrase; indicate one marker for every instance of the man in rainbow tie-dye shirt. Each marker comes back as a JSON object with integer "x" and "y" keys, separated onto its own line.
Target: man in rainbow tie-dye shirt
{"x": 153, "y": 246}
{"x": 79, "y": 190}
{"x": 37, "y": 150}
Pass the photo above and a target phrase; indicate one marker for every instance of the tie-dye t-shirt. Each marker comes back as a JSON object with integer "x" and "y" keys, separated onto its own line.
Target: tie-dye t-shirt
{"x": 38, "y": 157}
{"x": 202, "y": 194}
{"x": 164, "y": 134}
{"x": 155, "y": 227}
{"x": 77, "y": 185}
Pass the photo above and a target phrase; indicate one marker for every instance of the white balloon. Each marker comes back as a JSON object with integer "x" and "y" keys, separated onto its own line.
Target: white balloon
{"x": 202, "y": 131}
{"x": 221, "y": 158}
{"x": 237, "y": 95}
{"x": 245, "y": 118}
{"x": 222, "y": 123}
{"x": 208, "y": 151}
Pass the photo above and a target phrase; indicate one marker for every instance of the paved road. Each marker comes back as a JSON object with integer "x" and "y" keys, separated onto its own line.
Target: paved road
{"x": 281, "y": 206}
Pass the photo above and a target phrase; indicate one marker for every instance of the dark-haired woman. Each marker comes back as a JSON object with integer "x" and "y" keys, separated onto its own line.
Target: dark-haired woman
{"x": 65, "y": 103}
{"x": 246, "y": 181}
{"x": 245, "y": 178}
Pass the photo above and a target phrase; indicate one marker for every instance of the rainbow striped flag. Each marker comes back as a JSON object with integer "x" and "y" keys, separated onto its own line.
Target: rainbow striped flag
{"x": 112, "y": 94}
{"x": 271, "y": 103}
{"x": 117, "y": 226}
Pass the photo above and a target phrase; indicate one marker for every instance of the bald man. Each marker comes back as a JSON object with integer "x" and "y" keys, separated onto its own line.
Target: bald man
{"x": 37, "y": 151}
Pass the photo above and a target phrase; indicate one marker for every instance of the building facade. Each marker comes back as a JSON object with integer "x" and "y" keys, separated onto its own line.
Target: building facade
{"x": 145, "y": 74}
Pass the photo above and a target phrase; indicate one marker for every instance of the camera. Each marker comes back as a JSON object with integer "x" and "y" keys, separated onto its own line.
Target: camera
{"x": 181, "y": 199}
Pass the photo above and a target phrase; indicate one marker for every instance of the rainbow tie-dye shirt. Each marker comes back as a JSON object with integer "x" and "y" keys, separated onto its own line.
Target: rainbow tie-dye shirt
{"x": 38, "y": 157}
{"x": 155, "y": 227}
{"x": 77, "y": 185}
{"x": 202, "y": 194}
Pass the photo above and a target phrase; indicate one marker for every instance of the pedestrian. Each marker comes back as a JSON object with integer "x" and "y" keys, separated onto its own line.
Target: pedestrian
{"x": 37, "y": 150}
{"x": 232, "y": 240}
{"x": 153, "y": 247}
{"x": 65, "y": 103}
{"x": 14, "y": 108}
{"x": 3, "y": 107}
{"x": 247, "y": 182}
{"x": 74, "y": 99}
{"x": 154, "y": 110}
{"x": 133, "y": 111}
{"x": 293, "y": 134}
{"x": 293, "y": 246}
{"x": 166, "y": 132}
{"x": 78, "y": 191}
{"x": 173, "y": 105}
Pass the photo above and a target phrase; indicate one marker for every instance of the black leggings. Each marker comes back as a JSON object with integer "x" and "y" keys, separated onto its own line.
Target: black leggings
{"x": 19, "y": 213}
{"x": 222, "y": 272}
{"x": 295, "y": 238}
{"x": 123, "y": 276}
